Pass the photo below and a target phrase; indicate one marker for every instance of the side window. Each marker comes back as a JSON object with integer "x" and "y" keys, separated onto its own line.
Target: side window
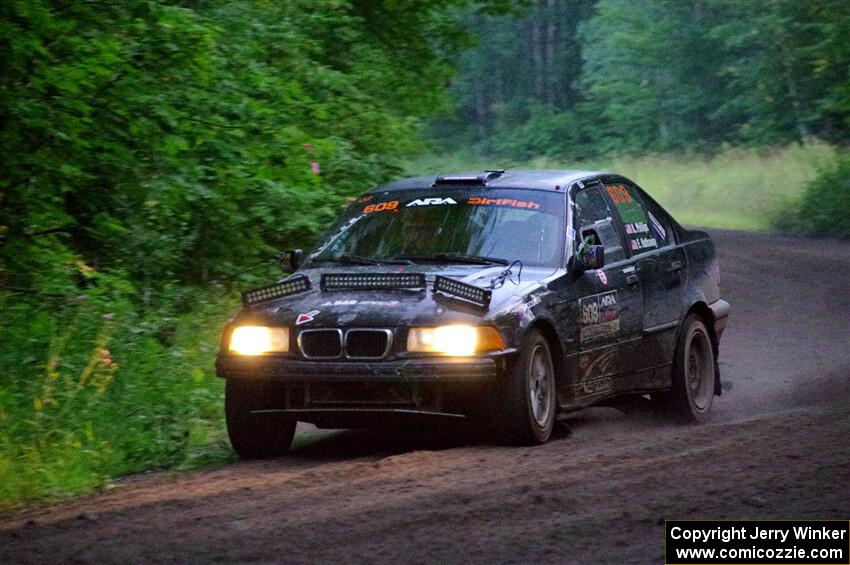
{"x": 639, "y": 236}
{"x": 659, "y": 223}
{"x": 595, "y": 224}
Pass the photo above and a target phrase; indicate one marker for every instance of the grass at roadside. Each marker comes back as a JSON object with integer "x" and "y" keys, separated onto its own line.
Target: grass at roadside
{"x": 747, "y": 189}
{"x": 93, "y": 389}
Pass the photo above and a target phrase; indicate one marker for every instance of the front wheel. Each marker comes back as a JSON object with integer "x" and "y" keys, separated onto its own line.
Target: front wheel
{"x": 255, "y": 436}
{"x": 692, "y": 392}
{"x": 524, "y": 412}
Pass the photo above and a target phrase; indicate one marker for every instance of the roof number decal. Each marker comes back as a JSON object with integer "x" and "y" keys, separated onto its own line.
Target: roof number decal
{"x": 391, "y": 206}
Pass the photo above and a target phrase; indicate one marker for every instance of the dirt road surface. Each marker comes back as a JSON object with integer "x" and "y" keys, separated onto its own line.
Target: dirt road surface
{"x": 778, "y": 447}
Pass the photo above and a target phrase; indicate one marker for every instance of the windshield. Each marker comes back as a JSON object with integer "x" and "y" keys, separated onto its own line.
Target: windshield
{"x": 443, "y": 225}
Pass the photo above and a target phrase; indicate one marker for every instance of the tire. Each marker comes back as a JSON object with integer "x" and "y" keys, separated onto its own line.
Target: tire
{"x": 256, "y": 436}
{"x": 692, "y": 392}
{"x": 526, "y": 402}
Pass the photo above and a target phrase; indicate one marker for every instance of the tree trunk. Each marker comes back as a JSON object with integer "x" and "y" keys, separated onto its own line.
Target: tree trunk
{"x": 500, "y": 97}
{"x": 551, "y": 73}
{"x": 536, "y": 55}
{"x": 793, "y": 95}
{"x": 480, "y": 114}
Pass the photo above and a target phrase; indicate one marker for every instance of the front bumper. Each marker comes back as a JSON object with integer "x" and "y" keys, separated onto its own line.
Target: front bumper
{"x": 344, "y": 394}
{"x": 418, "y": 370}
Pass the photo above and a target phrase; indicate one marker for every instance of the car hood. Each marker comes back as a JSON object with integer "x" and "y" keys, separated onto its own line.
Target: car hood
{"x": 330, "y": 308}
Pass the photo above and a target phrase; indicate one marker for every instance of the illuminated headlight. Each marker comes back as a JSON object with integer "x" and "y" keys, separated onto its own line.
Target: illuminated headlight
{"x": 454, "y": 340}
{"x": 256, "y": 340}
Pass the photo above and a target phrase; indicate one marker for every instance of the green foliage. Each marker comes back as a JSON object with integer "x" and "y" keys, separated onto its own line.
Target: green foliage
{"x": 787, "y": 68}
{"x": 545, "y": 133}
{"x": 523, "y": 68}
{"x": 92, "y": 390}
{"x": 173, "y": 143}
{"x": 155, "y": 155}
{"x": 585, "y": 79}
{"x": 643, "y": 76}
{"x": 824, "y": 207}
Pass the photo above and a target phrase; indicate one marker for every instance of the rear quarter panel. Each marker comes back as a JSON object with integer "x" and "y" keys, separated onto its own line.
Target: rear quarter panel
{"x": 703, "y": 269}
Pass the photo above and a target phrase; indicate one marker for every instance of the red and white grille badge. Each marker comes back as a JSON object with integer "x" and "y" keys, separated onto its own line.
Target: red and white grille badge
{"x": 304, "y": 318}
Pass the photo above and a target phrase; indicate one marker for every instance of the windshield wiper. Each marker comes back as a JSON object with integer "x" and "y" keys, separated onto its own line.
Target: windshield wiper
{"x": 348, "y": 259}
{"x": 453, "y": 258}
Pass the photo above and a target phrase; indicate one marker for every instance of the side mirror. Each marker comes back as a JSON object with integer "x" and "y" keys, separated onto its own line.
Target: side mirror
{"x": 296, "y": 258}
{"x": 594, "y": 257}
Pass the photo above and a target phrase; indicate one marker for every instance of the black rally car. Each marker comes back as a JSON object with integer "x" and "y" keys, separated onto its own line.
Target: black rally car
{"x": 506, "y": 296}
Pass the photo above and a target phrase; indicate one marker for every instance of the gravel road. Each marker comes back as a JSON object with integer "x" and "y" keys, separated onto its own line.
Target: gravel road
{"x": 777, "y": 447}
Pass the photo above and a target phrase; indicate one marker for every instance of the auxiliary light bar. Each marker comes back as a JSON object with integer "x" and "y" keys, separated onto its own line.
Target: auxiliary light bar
{"x": 292, "y": 285}
{"x": 373, "y": 281}
{"x": 474, "y": 294}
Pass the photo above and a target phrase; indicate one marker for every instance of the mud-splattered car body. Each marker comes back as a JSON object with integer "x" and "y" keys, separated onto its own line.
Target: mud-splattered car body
{"x": 610, "y": 331}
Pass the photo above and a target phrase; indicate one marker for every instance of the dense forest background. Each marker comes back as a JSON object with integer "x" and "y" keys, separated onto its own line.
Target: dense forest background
{"x": 156, "y": 155}
{"x": 581, "y": 78}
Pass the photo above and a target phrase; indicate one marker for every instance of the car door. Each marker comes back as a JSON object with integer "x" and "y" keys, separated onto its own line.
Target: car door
{"x": 661, "y": 267}
{"x": 610, "y": 302}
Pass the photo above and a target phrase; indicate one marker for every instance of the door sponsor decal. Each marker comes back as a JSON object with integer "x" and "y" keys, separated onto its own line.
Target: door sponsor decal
{"x": 599, "y": 316}
{"x": 595, "y": 370}
{"x": 307, "y": 317}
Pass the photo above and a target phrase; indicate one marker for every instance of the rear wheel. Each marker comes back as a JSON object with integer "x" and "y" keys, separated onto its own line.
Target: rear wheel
{"x": 256, "y": 436}
{"x": 692, "y": 392}
{"x": 524, "y": 412}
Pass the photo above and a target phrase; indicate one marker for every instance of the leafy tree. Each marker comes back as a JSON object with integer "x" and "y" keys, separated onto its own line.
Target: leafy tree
{"x": 582, "y": 78}
{"x": 526, "y": 63}
{"x": 153, "y": 154}
{"x": 175, "y": 141}
{"x": 788, "y": 67}
{"x": 825, "y": 204}
{"x": 650, "y": 76}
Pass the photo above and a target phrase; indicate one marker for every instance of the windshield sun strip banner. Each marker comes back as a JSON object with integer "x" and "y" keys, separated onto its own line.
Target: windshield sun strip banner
{"x": 425, "y": 201}
{"x": 372, "y": 281}
{"x": 292, "y": 285}
{"x": 474, "y": 294}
